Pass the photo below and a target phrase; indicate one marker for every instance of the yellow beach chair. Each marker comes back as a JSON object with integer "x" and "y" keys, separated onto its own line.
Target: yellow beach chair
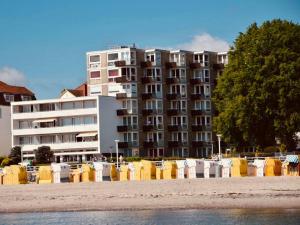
{"x": 272, "y": 167}
{"x": 44, "y": 175}
{"x": 239, "y": 167}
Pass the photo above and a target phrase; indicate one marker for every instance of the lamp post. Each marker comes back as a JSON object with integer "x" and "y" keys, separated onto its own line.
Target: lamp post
{"x": 117, "y": 152}
{"x": 219, "y": 141}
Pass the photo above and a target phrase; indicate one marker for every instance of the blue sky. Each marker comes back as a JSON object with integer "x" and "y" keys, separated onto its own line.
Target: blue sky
{"x": 43, "y": 43}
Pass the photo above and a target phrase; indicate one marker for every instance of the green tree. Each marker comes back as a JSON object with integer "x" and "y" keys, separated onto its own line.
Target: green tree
{"x": 258, "y": 95}
{"x": 15, "y": 155}
{"x": 43, "y": 155}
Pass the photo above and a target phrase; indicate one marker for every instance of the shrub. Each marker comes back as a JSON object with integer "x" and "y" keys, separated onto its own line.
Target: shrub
{"x": 15, "y": 155}
{"x": 5, "y": 162}
{"x": 43, "y": 155}
{"x": 271, "y": 149}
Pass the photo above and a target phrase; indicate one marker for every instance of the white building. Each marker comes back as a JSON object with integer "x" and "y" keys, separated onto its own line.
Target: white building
{"x": 8, "y": 94}
{"x": 75, "y": 128}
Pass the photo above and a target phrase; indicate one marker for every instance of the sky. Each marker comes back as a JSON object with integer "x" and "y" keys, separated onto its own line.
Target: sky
{"x": 43, "y": 44}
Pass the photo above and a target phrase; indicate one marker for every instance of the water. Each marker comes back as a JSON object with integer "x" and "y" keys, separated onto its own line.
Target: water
{"x": 168, "y": 217}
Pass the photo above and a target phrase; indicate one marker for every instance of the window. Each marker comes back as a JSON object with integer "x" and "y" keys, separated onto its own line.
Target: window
{"x": 26, "y": 98}
{"x": 94, "y": 58}
{"x": 9, "y": 98}
{"x": 206, "y": 76}
{"x": 112, "y": 56}
{"x": 95, "y": 89}
{"x": 95, "y": 74}
{"x": 113, "y": 73}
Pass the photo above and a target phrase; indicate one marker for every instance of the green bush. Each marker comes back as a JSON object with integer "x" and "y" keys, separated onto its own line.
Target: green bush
{"x": 1, "y": 159}
{"x": 132, "y": 159}
{"x": 15, "y": 155}
{"x": 5, "y": 162}
{"x": 271, "y": 149}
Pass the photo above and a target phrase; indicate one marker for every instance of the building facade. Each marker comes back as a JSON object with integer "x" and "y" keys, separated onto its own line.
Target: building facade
{"x": 165, "y": 98}
{"x": 75, "y": 128}
{"x": 8, "y": 94}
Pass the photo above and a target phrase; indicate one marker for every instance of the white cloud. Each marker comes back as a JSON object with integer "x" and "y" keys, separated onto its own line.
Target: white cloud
{"x": 205, "y": 41}
{"x": 12, "y": 76}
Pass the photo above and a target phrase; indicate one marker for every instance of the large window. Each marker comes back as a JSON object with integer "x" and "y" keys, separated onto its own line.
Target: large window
{"x": 94, "y": 58}
{"x": 95, "y": 74}
{"x": 9, "y": 98}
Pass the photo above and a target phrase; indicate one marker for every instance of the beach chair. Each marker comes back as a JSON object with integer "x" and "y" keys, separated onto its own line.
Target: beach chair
{"x": 15, "y": 174}
{"x": 291, "y": 166}
{"x": 190, "y": 168}
{"x": 272, "y": 167}
{"x": 88, "y": 173}
{"x": 167, "y": 170}
{"x": 226, "y": 166}
{"x": 179, "y": 169}
{"x": 98, "y": 171}
{"x": 259, "y": 167}
{"x": 44, "y": 175}
{"x": 113, "y": 173}
{"x": 123, "y": 173}
{"x": 137, "y": 170}
{"x": 239, "y": 167}
{"x": 75, "y": 176}
{"x": 148, "y": 170}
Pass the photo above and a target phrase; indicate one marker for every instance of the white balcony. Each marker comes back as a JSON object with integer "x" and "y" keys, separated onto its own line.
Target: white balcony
{"x": 63, "y": 146}
{"x": 55, "y": 130}
{"x": 54, "y": 114}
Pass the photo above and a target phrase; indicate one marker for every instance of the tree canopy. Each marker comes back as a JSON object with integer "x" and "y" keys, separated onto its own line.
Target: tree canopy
{"x": 15, "y": 155}
{"x": 258, "y": 95}
{"x": 43, "y": 155}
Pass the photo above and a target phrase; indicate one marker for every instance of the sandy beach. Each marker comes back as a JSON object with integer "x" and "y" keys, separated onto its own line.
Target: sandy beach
{"x": 248, "y": 192}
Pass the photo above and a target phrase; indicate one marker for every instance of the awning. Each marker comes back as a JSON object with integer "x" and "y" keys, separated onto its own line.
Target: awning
{"x": 44, "y": 120}
{"x": 90, "y": 134}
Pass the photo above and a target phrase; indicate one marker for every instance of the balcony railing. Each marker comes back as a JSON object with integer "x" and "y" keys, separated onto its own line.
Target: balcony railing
{"x": 197, "y": 144}
{"x": 120, "y": 63}
{"x": 173, "y": 96}
{"x": 151, "y": 127}
{"x": 122, "y": 112}
{"x": 177, "y": 127}
{"x": 172, "y": 144}
{"x": 127, "y": 144}
{"x": 172, "y": 80}
{"x": 170, "y": 65}
{"x": 198, "y": 96}
{"x": 146, "y": 96}
{"x": 195, "y": 65}
{"x": 120, "y": 96}
{"x": 148, "y": 79}
{"x": 122, "y": 79}
{"x": 153, "y": 144}
{"x": 218, "y": 66}
{"x": 194, "y": 81}
{"x": 197, "y": 127}
{"x": 124, "y": 128}
{"x": 196, "y": 112}
{"x": 172, "y": 112}
{"x": 146, "y": 64}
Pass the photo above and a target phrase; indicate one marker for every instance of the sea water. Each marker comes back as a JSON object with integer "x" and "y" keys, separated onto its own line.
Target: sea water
{"x": 168, "y": 217}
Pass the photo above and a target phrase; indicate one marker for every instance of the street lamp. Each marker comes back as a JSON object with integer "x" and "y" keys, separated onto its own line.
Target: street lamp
{"x": 117, "y": 152}
{"x": 219, "y": 140}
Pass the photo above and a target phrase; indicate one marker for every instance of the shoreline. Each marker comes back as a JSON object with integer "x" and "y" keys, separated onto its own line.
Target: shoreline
{"x": 216, "y": 193}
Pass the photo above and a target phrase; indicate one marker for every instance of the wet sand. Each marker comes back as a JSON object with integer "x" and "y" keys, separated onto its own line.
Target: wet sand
{"x": 220, "y": 193}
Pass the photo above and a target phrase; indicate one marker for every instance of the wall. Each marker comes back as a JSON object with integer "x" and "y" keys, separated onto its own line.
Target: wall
{"x": 108, "y": 122}
{"x": 5, "y": 130}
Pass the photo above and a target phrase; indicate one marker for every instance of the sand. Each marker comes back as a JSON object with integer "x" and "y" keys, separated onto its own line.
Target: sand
{"x": 221, "y": 193}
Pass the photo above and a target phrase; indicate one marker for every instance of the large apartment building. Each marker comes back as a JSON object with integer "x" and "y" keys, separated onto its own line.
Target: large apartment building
{"x": 165, "y": 98}
{"x": 8, "y": 94}
{"x": 76, "y": 127}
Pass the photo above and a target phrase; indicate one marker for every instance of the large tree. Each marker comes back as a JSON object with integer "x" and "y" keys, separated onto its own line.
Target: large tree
{"x": 258, "y": 95}
{"x": 15, "y": 155}
{"x": 43, "y": 155}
